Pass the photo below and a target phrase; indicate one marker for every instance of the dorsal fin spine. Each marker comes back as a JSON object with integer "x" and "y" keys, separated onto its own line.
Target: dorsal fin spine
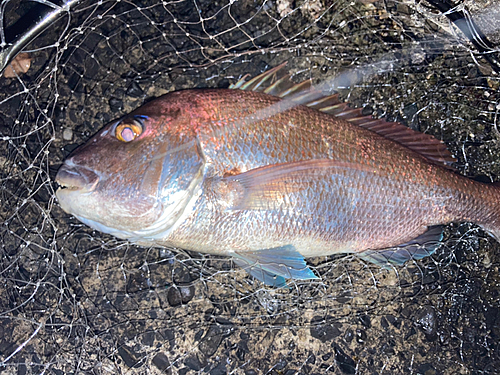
{"x": 304, "y": 93}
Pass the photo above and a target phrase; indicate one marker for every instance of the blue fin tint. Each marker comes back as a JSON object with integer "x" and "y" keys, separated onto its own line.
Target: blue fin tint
{"x": 418, "y": 248}
{"x": 273, "y": 266}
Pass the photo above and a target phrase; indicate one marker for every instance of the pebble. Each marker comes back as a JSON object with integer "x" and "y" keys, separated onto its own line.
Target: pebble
{"x": 67, "y": 134}
{"x": 161, "y": 362}
{"x": 345, "y": 363}
{"x": 322, "y": 330}
{"x": 174, "y": 297}
{"x": 426, "y": 321}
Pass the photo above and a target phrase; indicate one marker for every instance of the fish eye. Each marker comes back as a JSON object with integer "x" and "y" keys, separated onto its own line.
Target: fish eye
{"x": 129, "y": 129}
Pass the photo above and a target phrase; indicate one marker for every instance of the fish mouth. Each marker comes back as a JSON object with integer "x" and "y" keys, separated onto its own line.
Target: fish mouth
{"x": 70, "y": 177}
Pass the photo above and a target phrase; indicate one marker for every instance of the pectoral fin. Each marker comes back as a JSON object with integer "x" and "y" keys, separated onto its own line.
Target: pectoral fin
{"x": 267, "y": 187}
{"x": 418, "y": 248}
{"x": 273, "y": 266}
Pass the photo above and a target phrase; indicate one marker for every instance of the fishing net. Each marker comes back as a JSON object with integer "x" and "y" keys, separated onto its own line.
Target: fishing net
{"x": 73, "y": 300}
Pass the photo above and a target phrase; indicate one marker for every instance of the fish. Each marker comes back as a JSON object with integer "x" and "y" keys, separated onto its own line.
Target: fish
{"x": 271, "y": 172}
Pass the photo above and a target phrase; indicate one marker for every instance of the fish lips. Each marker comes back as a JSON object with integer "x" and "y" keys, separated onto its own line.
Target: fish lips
{"x": 73, "y": 178}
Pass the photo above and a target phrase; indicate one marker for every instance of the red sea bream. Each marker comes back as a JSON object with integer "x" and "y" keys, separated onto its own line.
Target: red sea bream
{"x": 223, "y": 171}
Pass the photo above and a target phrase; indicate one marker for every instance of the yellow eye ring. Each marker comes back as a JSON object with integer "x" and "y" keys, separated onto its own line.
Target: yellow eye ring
{"x": 128, "y": 131}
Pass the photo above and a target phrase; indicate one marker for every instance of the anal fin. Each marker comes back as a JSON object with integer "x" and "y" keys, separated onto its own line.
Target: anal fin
{"x": 418, "y": 248}
{"x": 273, "y": 266}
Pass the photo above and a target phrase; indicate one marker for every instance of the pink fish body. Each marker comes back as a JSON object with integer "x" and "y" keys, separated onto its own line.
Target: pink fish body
{"x": 223, "y": 171}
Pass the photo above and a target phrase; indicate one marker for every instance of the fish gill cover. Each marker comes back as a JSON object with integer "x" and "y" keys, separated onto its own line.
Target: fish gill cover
{"x": 73, "y": 300}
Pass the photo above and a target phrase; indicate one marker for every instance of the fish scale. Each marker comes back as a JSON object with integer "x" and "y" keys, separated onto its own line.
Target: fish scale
{"x": 354, "y": 211}
{"x": 271, "y": 179}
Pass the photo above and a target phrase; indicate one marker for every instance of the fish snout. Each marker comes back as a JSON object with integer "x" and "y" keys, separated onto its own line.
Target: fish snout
{"x": 74, "y": 177}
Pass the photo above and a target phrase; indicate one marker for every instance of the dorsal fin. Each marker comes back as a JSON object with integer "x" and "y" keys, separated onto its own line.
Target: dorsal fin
{"x": 277, "y": 82}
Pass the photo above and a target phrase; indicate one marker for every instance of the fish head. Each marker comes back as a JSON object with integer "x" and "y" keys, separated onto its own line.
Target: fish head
{"x": 136, "y": 176}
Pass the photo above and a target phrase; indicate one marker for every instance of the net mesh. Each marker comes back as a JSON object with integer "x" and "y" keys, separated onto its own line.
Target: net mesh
{"x": 73, "y": 300}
